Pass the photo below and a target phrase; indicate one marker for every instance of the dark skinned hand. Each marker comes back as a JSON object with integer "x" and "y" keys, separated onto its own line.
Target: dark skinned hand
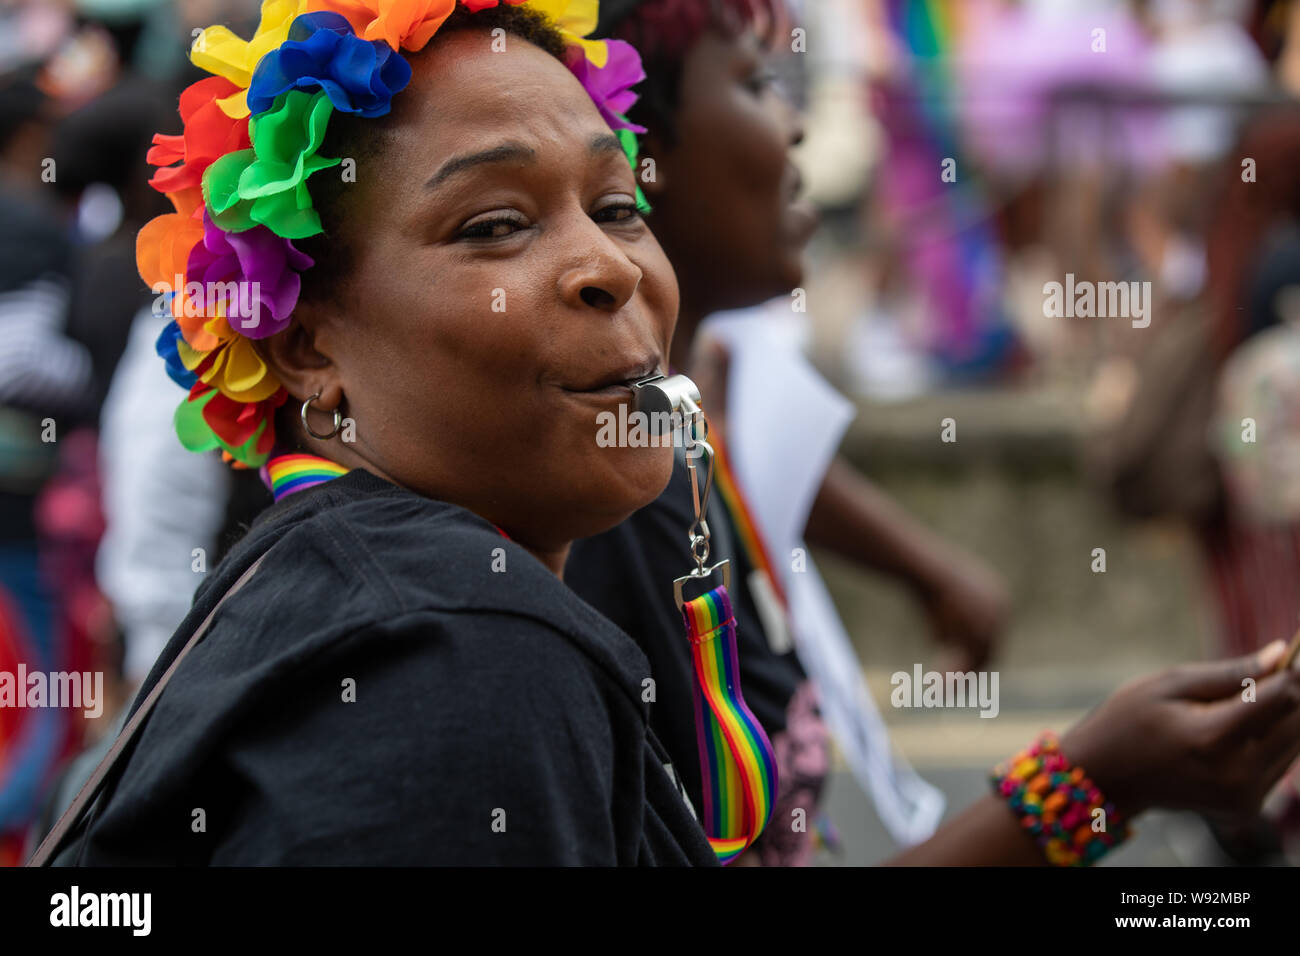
{"x": 1184, "y": 738}
{"x": 967, "y": 605}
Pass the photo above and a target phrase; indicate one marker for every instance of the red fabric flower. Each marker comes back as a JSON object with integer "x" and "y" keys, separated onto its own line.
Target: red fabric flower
{"x": 234, "y": 423}
{"x": 209, "y": 134}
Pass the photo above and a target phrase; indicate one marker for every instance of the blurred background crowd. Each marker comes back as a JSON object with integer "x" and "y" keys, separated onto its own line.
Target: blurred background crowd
{"x": 964, "y": 154}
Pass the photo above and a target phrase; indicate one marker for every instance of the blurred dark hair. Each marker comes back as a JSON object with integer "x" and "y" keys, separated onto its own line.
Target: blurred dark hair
{"x": 664, "y": 31}
{"x": 21, "y": 102}
{"x": 105, "y": 141}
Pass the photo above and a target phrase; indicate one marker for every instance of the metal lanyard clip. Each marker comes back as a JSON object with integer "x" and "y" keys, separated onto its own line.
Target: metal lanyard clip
{"x": 680, "y": 398}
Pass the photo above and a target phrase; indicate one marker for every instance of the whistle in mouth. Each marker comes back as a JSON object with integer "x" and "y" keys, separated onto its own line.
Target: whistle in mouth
{"x": 660, "y": 396}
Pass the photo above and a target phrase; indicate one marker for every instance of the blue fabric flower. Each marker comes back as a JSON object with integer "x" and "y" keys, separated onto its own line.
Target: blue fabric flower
{"x": 166, "y": 349}
{"x": 322, "y": 52}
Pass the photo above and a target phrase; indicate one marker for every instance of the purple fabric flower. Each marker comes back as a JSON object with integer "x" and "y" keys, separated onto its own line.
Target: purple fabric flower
{"x": 254, "y": 272}
{"x": 322, "y": 52}
{"x": 610, "y": 88}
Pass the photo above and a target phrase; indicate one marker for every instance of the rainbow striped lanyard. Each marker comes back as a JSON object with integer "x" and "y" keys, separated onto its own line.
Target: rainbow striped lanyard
{"x": 736, "y": 760}
{"x": 747, "y": 528}
{"x": 737, "y": 765}
{"x": 285, "y": 474}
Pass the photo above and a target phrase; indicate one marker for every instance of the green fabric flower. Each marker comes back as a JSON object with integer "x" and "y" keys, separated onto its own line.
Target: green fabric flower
{"x": 267, "y": 184}
{"x": 632, "y": 147}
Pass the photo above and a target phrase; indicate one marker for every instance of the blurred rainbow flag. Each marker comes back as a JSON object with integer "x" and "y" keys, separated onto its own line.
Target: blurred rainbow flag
{"x": 950, "y": 248}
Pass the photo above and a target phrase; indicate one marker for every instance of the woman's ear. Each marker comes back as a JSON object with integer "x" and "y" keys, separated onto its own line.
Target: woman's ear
{"x": 303, "y": 369}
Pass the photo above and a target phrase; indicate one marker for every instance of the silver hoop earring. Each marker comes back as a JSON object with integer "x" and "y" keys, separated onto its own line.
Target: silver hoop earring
{"x": 338, "y": 420}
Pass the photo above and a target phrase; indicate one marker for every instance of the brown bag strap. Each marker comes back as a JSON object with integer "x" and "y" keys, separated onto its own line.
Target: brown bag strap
{"x": 72, "y": 816}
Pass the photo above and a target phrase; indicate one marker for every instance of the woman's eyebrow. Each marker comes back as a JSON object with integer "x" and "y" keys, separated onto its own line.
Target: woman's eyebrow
{"x": 601, "y": 143}
{"x": 497, "y": 154}
{"x": 605, "y": 143}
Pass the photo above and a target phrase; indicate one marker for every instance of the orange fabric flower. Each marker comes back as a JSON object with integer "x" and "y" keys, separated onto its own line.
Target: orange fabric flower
{"x": 162, "y": 248}
{"x": 402, "y": 24}
{"x": 187, "y": 201}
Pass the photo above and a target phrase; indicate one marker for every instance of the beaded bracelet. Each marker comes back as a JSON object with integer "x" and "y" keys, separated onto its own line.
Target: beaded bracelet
{"x": 1056, "y": 803}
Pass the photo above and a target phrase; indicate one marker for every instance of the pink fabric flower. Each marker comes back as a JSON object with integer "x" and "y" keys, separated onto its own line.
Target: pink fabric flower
{"x": 610, "y": 87}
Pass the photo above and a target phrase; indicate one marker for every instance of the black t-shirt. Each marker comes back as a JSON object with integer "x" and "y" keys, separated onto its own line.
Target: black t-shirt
{"x": 497, "y": 719}
{"x": 627, "y": 574}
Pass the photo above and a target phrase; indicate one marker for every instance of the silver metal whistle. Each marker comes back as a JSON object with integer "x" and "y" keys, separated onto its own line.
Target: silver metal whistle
{"x": 669, "y": 402}
{"x": 660, "y": 396}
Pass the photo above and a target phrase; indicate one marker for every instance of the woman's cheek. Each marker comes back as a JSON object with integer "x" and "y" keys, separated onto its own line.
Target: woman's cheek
{"x": 659, "y": 286}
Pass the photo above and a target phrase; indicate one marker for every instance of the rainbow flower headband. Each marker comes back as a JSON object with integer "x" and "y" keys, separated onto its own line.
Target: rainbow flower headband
{"x": 237, "y": 178}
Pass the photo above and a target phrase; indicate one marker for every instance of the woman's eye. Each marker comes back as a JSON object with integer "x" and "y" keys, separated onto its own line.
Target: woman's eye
{"x": 622, "y": 212}
{"x": 497, "y": 228}
{"x": 759, "y": 82}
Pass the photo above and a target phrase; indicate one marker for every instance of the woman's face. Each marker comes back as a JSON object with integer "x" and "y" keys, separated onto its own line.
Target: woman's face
{"x": 727, "y": 207}
{"x": 504, "y": 292}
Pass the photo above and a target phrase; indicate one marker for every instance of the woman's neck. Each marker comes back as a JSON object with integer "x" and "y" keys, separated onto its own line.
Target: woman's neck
{"x": 553, "y": 560}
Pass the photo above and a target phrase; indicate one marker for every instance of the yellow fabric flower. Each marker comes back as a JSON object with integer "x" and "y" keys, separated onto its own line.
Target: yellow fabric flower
{"x": 403, "y": 24}
{"x": 223, "y": 53}
{"x": 576, "y": 19}
{"x": 236, "y": 370}
{"x": 239, "y": 372}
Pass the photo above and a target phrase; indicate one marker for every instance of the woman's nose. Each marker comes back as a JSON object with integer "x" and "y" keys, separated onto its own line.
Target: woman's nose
{"x": 601, "y": 275}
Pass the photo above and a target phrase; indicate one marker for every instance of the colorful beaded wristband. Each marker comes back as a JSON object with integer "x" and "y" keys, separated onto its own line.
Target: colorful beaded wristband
{"x": 1057, "y": 804}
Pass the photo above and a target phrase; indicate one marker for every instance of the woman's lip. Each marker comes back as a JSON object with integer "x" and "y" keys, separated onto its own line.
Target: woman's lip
{"x": 607, "y": 397}
{"x": 804, "y": 218}
{"x": 608, "y": 391}
{"x": 621, "y": 386}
